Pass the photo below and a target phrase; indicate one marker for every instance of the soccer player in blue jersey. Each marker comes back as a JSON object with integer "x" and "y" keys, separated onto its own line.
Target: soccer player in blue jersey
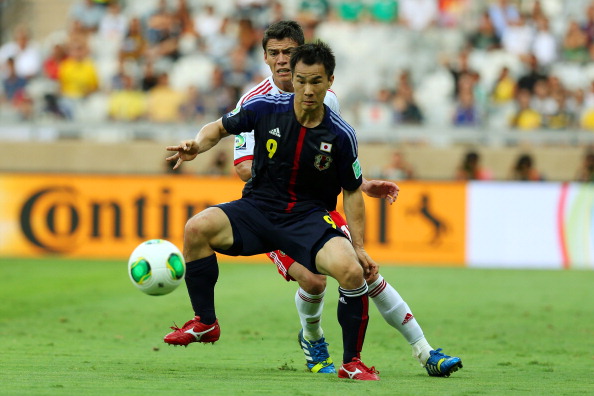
{"x": 279, "y": 40}
{"x": 304, "y": 156}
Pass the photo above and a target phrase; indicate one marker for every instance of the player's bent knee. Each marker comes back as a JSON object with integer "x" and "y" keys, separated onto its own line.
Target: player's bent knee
{"x": 351, "y": 277}
{"x": 313, "y": 284}
{"x": 208, "y": 227}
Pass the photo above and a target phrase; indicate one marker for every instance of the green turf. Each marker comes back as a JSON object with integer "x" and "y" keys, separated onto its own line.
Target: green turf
{"x": 79, "y": 327}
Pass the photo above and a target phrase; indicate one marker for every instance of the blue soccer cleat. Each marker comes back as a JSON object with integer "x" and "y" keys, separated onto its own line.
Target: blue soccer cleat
{"x": 316, "y": 355}
{"x": 442, "y": 365}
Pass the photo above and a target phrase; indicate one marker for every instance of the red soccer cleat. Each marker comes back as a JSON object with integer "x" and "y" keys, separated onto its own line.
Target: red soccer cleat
{"x": 358, "y": 371}
{"x": 193, "y": 331}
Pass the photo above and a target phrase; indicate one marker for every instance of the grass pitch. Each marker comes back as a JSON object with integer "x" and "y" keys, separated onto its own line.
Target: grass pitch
{"x": 79, "y": 327}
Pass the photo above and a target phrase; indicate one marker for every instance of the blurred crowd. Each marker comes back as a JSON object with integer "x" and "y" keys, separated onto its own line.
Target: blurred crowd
{"x": 471, "y": 167}
{"x": 185, "y": 61}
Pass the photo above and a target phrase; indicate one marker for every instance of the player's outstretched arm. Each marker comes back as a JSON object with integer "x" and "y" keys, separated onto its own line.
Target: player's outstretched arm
{"x": 208, "y": 136}
{"x": 381, "y": 189}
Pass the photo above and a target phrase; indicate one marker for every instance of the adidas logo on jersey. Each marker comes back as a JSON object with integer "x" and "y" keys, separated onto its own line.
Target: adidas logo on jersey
{"x": 275, "y": 132}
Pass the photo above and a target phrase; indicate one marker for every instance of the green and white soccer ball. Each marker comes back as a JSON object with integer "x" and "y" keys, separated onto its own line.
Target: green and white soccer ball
{"x": 156, "y": 267}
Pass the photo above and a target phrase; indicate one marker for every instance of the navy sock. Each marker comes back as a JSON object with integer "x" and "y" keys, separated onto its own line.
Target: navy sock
{"x": 353, "y": 316}
{"x": 201, "y": 277}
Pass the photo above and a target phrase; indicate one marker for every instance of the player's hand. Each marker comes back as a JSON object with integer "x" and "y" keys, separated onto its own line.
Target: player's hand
{"x": 185, "y": 151}
{"x": 381, "y": 189}
{"x": 370, "y": 268}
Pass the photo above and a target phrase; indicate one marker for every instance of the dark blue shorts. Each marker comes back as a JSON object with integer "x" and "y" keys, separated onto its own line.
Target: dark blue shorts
{"x": 300, "y": 235}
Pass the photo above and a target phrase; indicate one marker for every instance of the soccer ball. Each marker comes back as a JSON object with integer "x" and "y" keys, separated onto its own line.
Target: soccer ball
{"x": 156, "y": 267}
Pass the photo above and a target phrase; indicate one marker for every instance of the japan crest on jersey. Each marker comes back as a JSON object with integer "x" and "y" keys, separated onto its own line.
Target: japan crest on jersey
{"x": 322, "y": 162}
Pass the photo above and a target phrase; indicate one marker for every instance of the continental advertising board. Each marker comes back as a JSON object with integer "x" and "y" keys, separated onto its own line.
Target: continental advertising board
{"x": 476, "y": 224}
{"x": 94, "y": 216}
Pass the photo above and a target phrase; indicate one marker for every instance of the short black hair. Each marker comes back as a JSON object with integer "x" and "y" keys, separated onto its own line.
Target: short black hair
{"x": 284, "y": 29}
{"x": 314, "y": 53}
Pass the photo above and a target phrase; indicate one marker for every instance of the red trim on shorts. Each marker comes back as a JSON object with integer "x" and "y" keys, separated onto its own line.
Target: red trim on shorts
{"x": 240, "y": 160}
{"x": 283, "y": 263}
{"x": 295, "y": 170}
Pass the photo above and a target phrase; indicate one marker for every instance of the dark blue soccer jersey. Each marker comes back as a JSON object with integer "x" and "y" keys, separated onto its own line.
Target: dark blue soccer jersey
{"x": 296, "y": 169}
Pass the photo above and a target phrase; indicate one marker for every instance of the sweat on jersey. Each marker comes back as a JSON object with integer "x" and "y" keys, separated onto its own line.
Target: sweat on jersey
{"x": 295, "y": 168}
{"x": 244, "y": 142}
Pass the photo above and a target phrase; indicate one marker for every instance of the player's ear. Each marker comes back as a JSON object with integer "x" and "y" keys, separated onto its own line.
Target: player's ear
{"x": 330, "y": 80}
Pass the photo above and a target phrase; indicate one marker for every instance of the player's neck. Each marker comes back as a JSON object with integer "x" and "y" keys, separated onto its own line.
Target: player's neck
{"x": 286, "y": 86}
{"x": 309, "y": 119}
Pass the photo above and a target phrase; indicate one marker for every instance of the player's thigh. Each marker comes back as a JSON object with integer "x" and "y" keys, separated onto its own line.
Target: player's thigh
{"x": 212, "y": 227}
{"x": 338, "y": 259}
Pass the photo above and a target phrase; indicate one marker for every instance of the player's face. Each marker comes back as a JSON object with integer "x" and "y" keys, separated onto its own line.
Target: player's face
{"x": 277, "y": 56}
{"x": 310, "y": 83}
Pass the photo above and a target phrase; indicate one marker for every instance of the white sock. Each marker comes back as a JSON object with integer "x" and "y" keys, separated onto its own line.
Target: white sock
{"x": 398, "y": 315}
{"x": 420, "y": 351}
{"x": 310, "y": 307}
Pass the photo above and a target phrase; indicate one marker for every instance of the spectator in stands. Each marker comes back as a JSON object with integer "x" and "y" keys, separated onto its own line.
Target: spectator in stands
{"x": 217, "y": 46}
{"x": 24, "y": 52}
{"x": 378, "y": 112}
{"x": 113, "y": 24}
{"x": 542, "y": 100}
{"x": 134, "y": 44}
{"x": 518, "y": 37}
{"x": 406, "y": 109}
{"x": 277, "y": 12}
{"x": 556, "y": 85}
{"x": 350, "y": 10}
{"x": 586, "y": 120}
{"x": 219, "y": 97}
{"x": 588, "y": 25}
{"x": 207, "y": 22}
{"x": 398, "y": 168}
{"x": 256, "y": 11}
{"x": 502, "y": 13}
{"x": 88, "y": 13}
{"x": 524, "y": 169}
{"x": 15, "y": 94}
{"x": 466, "y": 113}
{"x": 164, "y": 102}
{"x": 544, "y": 44}
{"x": 459, "y": 69}
{"x": 193, "y": 108}
{"x": 533, "y": 74}
{"x": 418, "y": 15}
{"x": 149, "y": 77}
{"x": 504, "y": 89}
{"x": 51, "y": 64}
{"x": 385, "y": 11}
{"x": 525, "y": 117}
{"x": 77, "y": 76}
{"x": 575, "y": 106}
{"x": 484, "y": 37}
{"x": 163, "y": 33}
{"x": 585, "y": 172}
{"x": 238, "y": 72}
{"x": 310, "y": 13}
{"x": 128, "y": 103}
{"x": 451, "y": 12}
{"x": 574, "y": 47}
{"x": 562, "y": 117}
{"x": 471, "y": 168}
{"x": 183, "y": 17}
